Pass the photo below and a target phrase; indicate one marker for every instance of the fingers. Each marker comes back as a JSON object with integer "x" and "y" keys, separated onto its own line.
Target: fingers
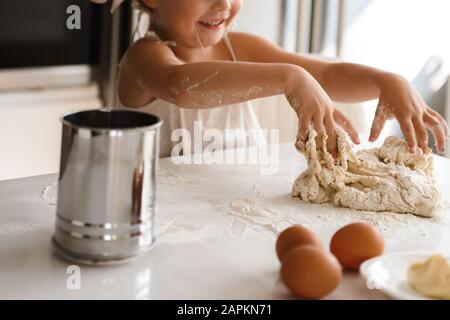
{"x": 410, "y": 136}
{"x": 441, "y": 121}
{"x": 332, "y": 136}
{"x": 318, "y": 126}
{"x": 303, "y": 131}
{"x": 421, "y": 133}
{"x": 378, "y": 123}
{"x": 345, "y": 123}
{"x": 325, "y": 125}
{"x": 437, "y": 129}
{"x": 300, "y": 142}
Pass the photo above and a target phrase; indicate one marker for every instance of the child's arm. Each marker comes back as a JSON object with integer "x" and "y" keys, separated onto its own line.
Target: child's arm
{"x": 346, "y": 82}
{"x": 199, "y": 85}
{"x": 159, "y": 73}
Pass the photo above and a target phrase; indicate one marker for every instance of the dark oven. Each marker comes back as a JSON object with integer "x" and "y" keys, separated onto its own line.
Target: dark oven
{"x": 34, "y": 34}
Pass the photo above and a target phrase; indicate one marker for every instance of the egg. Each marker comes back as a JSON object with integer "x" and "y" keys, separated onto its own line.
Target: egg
{"x": 295, "y": 236}
{"x": 309, "y": 272}
{"x": 356, "y": 243}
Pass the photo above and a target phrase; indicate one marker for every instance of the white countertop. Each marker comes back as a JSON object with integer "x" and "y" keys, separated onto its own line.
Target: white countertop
{"x": 206, "y": 246}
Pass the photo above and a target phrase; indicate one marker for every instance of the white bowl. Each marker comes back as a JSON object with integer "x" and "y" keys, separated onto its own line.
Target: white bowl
{"x": 388, "y": 273}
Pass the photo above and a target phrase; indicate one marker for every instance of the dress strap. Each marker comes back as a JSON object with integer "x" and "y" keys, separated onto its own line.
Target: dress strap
{"x": 153, "y": 36}
{"x": 229, "y": 46}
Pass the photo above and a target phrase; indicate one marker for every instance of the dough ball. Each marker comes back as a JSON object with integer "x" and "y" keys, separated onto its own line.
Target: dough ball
{"x": 431, "y": 277}
{"x": 356, "y": 243}
{"x": 294, "y": 236}
{"x": 309, "y": 272}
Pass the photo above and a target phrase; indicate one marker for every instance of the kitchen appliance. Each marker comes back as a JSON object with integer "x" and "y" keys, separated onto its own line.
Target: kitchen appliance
{"x": 34, "y": 33}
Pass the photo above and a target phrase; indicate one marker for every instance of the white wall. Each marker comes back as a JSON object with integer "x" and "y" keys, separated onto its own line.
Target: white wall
{"x": 409, "y": 37}
{"x": 261, "y": 17}
{"x": 30, "y": 130}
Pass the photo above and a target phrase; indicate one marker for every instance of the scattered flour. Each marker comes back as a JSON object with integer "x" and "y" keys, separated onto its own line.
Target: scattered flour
{"x": 170, "y": 178}
{"x": 249, "y": 210}
{"x": 257, "y": 212}
{"x": 50, "y": 194}
{"x": 17, "y": 228}
{"x": 271, "y": 216}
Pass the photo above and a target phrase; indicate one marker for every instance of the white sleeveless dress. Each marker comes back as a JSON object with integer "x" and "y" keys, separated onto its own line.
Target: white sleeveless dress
{"x": 240, "y": 119}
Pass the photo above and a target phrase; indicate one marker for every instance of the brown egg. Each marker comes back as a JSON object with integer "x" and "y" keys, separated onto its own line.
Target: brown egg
{"x": 309, "y": 272}
{"x": 295, "y": 236}
{"x": 355, "y": 243}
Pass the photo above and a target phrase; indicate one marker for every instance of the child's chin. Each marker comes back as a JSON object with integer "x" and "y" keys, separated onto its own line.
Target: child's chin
{"x": 212, "y": 40}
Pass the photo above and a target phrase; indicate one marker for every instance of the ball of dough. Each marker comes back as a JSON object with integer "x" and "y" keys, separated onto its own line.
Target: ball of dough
{"x": 356, "y": 243}
{"x": 309, "y": 272}
{"x": 431, "y": 277}
{"x": 294, "y": 236}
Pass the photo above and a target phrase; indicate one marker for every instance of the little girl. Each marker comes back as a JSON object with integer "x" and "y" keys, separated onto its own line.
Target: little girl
{"x": 189, "y": 67}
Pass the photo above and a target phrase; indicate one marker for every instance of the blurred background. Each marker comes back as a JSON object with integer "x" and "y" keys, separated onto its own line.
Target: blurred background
{"x": 46, "y": 69}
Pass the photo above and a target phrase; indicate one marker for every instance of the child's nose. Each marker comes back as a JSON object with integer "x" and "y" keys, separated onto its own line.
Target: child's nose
{"x": 222, "y": 4}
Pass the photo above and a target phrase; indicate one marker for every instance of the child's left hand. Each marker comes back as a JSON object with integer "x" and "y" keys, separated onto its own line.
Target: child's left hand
{"x": 400, "y": 100}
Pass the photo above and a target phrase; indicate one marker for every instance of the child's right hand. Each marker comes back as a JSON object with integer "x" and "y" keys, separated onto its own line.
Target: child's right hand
{"x": 314, "y": 107}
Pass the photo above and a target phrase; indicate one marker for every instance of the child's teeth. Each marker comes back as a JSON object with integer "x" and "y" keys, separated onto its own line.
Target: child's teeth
{"x": 211, "y": 23}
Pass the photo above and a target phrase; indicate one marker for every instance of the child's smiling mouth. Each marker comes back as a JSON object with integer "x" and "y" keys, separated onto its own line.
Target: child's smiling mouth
{"x": 213, "y": 24}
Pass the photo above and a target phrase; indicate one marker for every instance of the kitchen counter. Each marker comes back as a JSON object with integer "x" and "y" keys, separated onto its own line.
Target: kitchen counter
{"x": 216, "y": 227}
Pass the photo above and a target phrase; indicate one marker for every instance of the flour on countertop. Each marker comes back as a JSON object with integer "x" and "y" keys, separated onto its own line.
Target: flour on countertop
{"x": 217, "y": 209}
{"x": 271, "y": 217}
{"x": 17, "y": 228}
{"x": 170, "y": 178}
{"x": 50, "y": 194}
{"x": 250, "y": 210}
{"x": 382, "y": 179}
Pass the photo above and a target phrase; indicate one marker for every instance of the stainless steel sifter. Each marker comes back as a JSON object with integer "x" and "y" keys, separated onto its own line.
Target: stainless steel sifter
{"x": 107, "y": 188}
